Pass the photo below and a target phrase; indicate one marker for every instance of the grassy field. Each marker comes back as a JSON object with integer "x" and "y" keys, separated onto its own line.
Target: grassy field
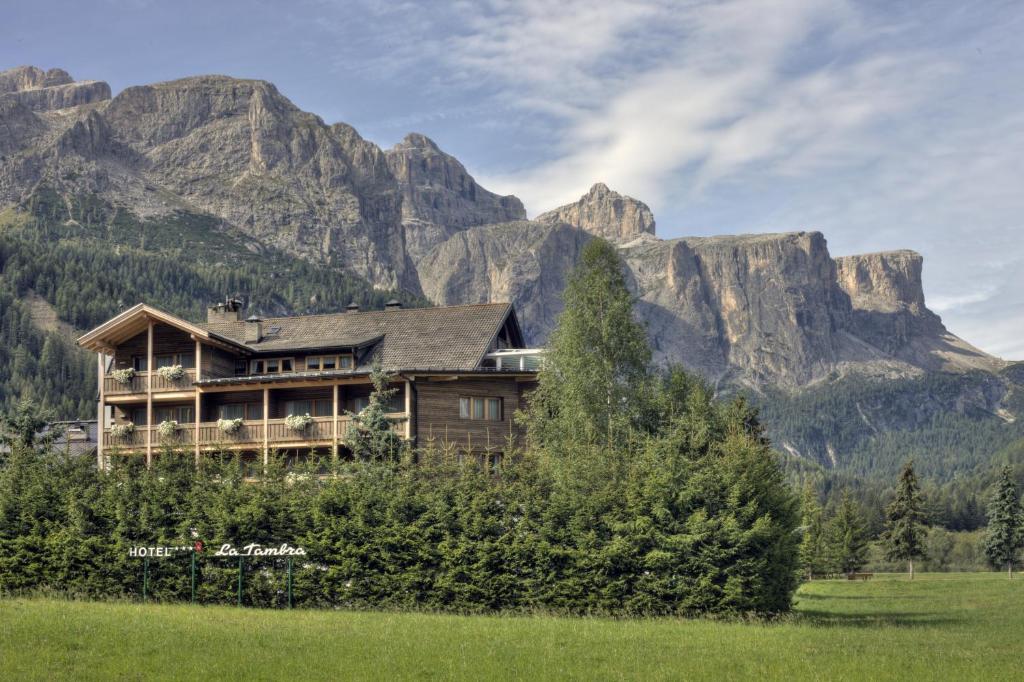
{"x": 940, "y": 626}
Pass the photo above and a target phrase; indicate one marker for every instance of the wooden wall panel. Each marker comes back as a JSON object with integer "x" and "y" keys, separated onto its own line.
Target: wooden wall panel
{"x": 436, "y": 413}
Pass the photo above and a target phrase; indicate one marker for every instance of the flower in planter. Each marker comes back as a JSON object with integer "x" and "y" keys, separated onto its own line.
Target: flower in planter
{"x": 229, "y": 426}
{"x": 119, "y": 431}
{"x": 298, "y": 422}
{"x": 123, "y": 376}
{"x": 171, "y": 372}
{"x": 168, "y": 428}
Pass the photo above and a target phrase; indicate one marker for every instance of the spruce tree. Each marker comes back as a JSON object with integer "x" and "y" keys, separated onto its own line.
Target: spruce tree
{"x": 847, "y": 536}
{"x": 597, "y": 365}
{"x": 905, "y": 527}
{"x": 812, "y": 544}
{"x": 1005, "y": 534}
{"x": 372, "y": 436}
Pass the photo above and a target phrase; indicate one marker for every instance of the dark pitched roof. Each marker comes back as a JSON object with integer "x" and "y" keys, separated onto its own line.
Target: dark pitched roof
{"x": 451, "y": 337}
{"x": 76, "y": 438}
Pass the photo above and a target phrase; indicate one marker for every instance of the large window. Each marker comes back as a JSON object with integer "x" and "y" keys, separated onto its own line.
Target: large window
{"x": 314, "y": 408}
{"x": 325, "y": 363}
{"x": 250, "y": 411}
{"x": 487, "y": 409}
{"x": 183, "y": 414}
{"x": 186, "y": 360}
{"x": 272, "y": 365}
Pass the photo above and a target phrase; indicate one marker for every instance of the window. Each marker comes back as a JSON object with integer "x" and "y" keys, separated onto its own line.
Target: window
{"x": 323, "y": 408}
{"x": 298, "y": 407}
{"x": 231, "y": 411}
{"x": 183, "y": 414}
{"x": 357, "y": 405}
{"x": 138, "y": 416}
{"x": 488, "y": 409}
{"x": 254, "y": 411}
{"x": 186, "y": 360}
{"x": 139, "y": 363}
{"x": 328, "y": 362}
{"x": 271, "y": 366}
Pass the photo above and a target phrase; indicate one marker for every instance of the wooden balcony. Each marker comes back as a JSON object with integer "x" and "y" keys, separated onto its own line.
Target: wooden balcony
{"x": 139, "y": 384}
{"x": 249, "y": 436}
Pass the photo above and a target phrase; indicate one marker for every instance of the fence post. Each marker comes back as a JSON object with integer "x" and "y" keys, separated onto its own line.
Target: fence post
{"x": 145, "y": 578}
{"x": 193, "y": 576}
{"x": 290, "y": 582}
{"x": 241, "y": 568}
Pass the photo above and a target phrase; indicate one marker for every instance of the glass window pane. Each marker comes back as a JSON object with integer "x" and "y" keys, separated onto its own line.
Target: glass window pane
{"x": 359, "y": 404}
{"x": 286, "y": 365}
{"x": 254, "y": 411}
{"x": 257, "y": 367}
{"x": 139, "y": 363}
{"x": 232, "y": 411}
{"x": 323, "y": 408}
{"x": 187, "y": 360}
{"x": 329, "y": 362}
{"x": 138, "y": 416}
{"x": 162, "y": 414}
{"x": 494, "y": 409}
{"x": 164, "y": 361}
{"x": 184, "y": 415}
{"x": 478, "y": 408}
{"x": 313, "y": 362}
{"x": 464, "y": 408}
{"x": 272, "y": 366}
{"x": 298, "y": 407}
{"x": 345, "y": 362}
{"x": 240, "y": 366}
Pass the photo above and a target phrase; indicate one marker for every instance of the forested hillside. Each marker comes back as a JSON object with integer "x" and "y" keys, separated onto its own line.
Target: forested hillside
{"x": 67, "y": 252}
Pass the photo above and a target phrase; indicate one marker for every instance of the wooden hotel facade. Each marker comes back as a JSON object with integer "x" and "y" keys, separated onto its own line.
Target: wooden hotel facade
{"x": 230, "y": 383}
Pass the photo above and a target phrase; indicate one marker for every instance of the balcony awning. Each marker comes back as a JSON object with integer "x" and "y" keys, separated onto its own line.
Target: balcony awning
{"x": 115, "y": 331}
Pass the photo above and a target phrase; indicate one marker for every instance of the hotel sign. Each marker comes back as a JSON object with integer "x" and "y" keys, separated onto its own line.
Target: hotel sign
{"x": 255, "y": 549}
{"x": 144, "y": 552}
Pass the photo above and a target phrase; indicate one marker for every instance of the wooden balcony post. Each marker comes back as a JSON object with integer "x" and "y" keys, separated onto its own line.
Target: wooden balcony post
{"x": 149, "y": 395}
{"x": 100, "y": 422}
{"x": 266, "y": 428}
{"x": 334, "y": 423}
{"x": 199, "y": 375}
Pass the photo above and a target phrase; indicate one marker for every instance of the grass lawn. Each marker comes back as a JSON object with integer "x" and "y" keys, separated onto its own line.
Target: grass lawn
{"x": 940, "y": 626}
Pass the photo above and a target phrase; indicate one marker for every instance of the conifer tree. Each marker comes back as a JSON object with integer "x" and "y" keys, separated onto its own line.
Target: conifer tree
{"x": 905, "y": 523}
{"x": 812, "y": 545}
{"x": 372, "y": 436}
{"x": 847, "y": 536}
{"x": 597, "y": 364}
{"x": 1005, "y": 534}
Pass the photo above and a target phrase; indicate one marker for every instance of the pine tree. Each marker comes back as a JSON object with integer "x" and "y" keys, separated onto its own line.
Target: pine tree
{"x": 1005, "y": 534}
{"x": 597, "y": 366}
{"x": 905, "y": 523}
{"x": 847, "y": 536}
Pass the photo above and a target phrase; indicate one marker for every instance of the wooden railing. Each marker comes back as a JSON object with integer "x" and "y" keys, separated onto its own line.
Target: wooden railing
{"x": 250, "y": 434}
{"x": 138, "y": 383}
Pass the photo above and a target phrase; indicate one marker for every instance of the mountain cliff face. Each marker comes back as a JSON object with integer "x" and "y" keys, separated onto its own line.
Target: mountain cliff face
{"x": 768, "y": 312}
{"x": 605, "y": 213}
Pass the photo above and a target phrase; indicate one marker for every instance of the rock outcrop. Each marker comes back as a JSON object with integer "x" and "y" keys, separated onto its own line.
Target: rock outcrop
{"x": 439, "y": 198}
{"x": 606, "y": 214}
{"x": 51, "y": 90}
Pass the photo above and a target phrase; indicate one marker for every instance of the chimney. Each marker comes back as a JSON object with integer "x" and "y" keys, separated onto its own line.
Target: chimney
{"x": 228, "y": 311}
{"x": 352, "y": 307}
{"x": 393, "y": 304}
{"x": 253, "y": 330}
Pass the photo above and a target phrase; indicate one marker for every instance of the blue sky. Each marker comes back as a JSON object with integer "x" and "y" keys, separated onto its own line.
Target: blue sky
{"x": 884, "y": 125}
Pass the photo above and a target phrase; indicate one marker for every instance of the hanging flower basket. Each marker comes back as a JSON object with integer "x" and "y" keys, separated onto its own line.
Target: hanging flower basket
{"x": 123, "y": 376}
{"x": 230, "y": 426}
{"x": 168, "y": 429}
{"x": 298, "y": 422}
{"x": 171, "y": 372}
{"x": 122, "y": 431}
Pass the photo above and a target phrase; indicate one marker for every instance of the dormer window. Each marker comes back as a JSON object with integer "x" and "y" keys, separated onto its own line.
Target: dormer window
{"x": 326, "y": 363}
{"x": 272, "y": 366}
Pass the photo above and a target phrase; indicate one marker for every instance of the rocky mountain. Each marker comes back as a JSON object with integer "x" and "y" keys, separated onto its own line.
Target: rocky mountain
{"x": 231, "y": 166}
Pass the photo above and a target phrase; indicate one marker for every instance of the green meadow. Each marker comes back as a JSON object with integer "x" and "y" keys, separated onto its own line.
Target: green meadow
{"x": 940, "y": 626}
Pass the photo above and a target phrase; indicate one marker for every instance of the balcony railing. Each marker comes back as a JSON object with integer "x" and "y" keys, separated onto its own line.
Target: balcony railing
{"x": 249, "y": 435}
{"x": 140, "y": 382}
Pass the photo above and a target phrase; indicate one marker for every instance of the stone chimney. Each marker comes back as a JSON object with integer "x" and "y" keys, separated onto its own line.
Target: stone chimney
{"x": 393, "y": 304}
{"x": 253, "y": 330}
{"x": 228, "y": 311}
{"x": 352, "y": 307}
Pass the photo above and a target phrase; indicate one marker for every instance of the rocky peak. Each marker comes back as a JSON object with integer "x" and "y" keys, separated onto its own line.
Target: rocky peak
{"x": 51, "y": 90}
{"x": 605, "y": 213}
{"x": 887, "y": 281}
{"x": 439, "y": 197}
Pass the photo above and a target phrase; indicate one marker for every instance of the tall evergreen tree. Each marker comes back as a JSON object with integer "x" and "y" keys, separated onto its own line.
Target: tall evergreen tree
{"x": 1005, "y": 535}
{"x": 812, "y": 544}
{"x": 847, "y": 536}
{"x": 597, "y": 365}
{"x": 905, "y": 527}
